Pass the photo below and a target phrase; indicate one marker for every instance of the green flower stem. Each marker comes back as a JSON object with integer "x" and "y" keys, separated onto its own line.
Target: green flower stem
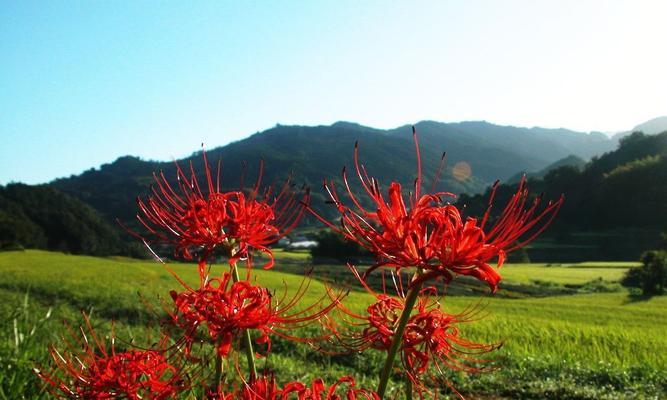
{"x": 218, "y": 367}
{"x": 408, "y": 388}
{"x": 247, "y": 341}
{"x": 410, "y": 300}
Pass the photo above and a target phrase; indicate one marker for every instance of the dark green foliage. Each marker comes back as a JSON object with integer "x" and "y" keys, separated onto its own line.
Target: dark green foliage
{"x": 519, "y": 256}
{"x": 633, "y": 278}
{"x": 113, "y": 188}
{"x": 663, "y": 240}
{"x": 651, "y": 277}
{"x": 16, "y": 229}
{"x": 331, "y": 245}
{"x": 45, "y": 218}
{"x": 622, "y": 195}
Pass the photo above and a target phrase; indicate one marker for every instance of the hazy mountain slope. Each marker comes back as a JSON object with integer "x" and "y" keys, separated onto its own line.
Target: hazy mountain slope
{"x": 494, "y": 144}
{"x": 313, "y": 153}
{"x": 625, "y": 188}
{"x": 650, "y": 127}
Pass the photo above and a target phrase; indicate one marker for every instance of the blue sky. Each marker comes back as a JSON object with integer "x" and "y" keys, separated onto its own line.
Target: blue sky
{"x": 82, "y": 83}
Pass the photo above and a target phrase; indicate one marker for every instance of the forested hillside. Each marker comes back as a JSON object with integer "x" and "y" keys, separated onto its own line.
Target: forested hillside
{"x": 45, "y": 218}
{"x": 617, "y": 203}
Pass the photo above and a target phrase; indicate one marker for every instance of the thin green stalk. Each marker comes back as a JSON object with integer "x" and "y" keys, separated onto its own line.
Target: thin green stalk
{"x": 408, "y": 388}
{"x": 247, "y": 341}
{"x": 218, "y": 367}
{"x": 410, "y": 300}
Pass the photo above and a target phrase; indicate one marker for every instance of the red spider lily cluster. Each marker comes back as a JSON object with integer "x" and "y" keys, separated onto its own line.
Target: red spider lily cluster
{"x": 432, "y": 340}
{"x": 430, "y": 234}
{"x": 234, "y": 222}
{"x": 226, "y": 310}
{"x": 422, "y": 234}
{"x": 266, "y": 388}
{"x": 88, "y": 368}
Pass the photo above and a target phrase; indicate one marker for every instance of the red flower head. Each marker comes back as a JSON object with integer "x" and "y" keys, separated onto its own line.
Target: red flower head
{"x": 431, "y": 341}
{"x": 226, "y": 310}
{"x": 236, "y": 222}
{"x": 265, "y": 388}
{"x": 262, "y": 388}
{"x": 259, "y": 389}
{"x": 432, "y": 235}
{"x": 89, "y": 370}
{"x": 318, "y": 390}
{"x": 382, "y": 318}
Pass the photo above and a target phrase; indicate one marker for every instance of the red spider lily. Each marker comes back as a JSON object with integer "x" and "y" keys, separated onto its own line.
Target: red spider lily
{"x": 236, "y": 222}
{"x": 227, "y": 310}
{"x": 382, "y": 317}
{"x": 262, "y": 388}
{"x": 265, "y": 388}
{"x": 431, "y": 340}
{"x": 89, "y": 369}
{"x": 432, "y": 235}
{"x": 319, "y": 391}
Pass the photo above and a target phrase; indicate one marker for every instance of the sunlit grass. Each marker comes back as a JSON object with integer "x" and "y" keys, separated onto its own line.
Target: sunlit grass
{"x": 300, "y": 255}
{"x": 529, "y": 273}
{"x": 601, "y": 331}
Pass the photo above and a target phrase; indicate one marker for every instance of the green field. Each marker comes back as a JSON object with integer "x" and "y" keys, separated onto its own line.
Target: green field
{"x": 598, "y": 344}
{"x": 564, "y": 274}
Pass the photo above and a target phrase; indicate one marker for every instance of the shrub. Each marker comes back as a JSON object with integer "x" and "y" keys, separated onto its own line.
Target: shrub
{"x": 651, "y": 277}
{"x": 332, "y": 245}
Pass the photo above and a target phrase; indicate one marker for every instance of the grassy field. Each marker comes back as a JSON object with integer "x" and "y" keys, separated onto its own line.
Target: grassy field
{"x": 601, "y": 344}
{"x": 563, "y": 274}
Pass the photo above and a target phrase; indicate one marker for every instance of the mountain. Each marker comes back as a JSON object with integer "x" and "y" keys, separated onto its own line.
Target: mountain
{"x": 650, "y": 127}
{"x": 486, "y": 152}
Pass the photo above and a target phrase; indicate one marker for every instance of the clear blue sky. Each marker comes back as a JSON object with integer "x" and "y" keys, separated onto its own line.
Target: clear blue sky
{"x": 82, "y": 83}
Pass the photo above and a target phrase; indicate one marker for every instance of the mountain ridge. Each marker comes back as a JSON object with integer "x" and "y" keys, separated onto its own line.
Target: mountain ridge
{"x": 313, "y": 153}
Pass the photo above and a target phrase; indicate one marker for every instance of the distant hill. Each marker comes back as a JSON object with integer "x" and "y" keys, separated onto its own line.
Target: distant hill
{"x": 315, "y": 152}
{"x": 650, "y": 127}
{"x": 43, "y": 217}
{"x": 653, "y": 126}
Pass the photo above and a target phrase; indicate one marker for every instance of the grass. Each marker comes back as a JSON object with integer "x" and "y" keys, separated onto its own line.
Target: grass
{"x": 569, "y": 274}
{"x": 293, "y": 255}
{"x": 519, "y": 280}
{"x": 579, "y": 346}
{"x": 601, "y": 264}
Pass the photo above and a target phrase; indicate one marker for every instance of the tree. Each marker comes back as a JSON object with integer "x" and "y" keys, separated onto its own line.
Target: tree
{"x": 651, "y": 277}
{"x": 332, "y": 245}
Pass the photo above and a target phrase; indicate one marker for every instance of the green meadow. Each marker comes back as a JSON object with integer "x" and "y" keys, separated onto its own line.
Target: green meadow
{"x": 596, "y": 341}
